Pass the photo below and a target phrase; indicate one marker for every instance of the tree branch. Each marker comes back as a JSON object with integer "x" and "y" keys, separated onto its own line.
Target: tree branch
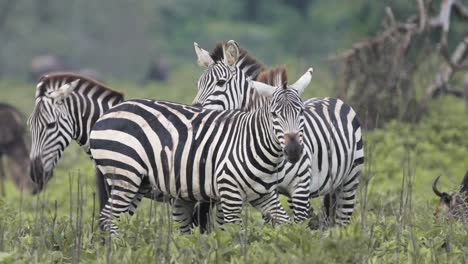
{"x": 461, "y": 10}
{"x": 422, "y": 15}
{"x": 455, "y": 61}
{"x": 390, "y": 16}
{"x": 443, "y": 19}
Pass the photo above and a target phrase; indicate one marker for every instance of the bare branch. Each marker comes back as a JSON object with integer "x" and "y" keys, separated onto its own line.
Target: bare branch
{"x": 443, "y": 19}
{"x": 463, "y": 65}
{"x": 455, "y": 61}
{"x": 458, "y": 92}
{"x": 444, "y": 50}
{"x": 390, "y": 16}
{"x": 382, "y": 66}
{"x": 461, "y": 10}
{"x": 422, "y": 15}
{"x": 465, "y": 88}
{"x": 459, "y": 54}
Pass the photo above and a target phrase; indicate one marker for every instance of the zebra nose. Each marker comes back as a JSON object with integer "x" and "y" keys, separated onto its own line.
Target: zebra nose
{"x": 292, "y": 137}
{"x": 292, "y": 147}
{"x": 37, "y": 172}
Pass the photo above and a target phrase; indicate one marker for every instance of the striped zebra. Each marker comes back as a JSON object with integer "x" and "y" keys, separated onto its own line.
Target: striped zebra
{"x": 193, "y": 154}
{"x": 332, "y": 132}
{"x": 66, "y": 107}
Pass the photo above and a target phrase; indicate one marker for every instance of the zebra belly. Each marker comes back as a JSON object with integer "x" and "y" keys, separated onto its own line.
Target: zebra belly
{"x": 328, "y": 174}
{"x": 184, "y": 176}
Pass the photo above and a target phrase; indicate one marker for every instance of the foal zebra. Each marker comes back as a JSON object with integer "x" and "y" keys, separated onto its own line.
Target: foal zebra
{"x": 66, "y": 107}
{"x": 193, "y": 154}
{"x": 332, "y": 132}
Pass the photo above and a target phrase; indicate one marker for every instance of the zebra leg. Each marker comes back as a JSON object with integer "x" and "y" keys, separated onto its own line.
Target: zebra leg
{"x": 134, "y": 204}
{"x": 339, "y": 205}
{"x": 271, "y": 208}
{"x": 219, "y": 214}
{"x": 231, "y": 202}
{"x": 329, "y": 206}
{"x": 202, "y": 215}
{"x": 344, "y": 206}
{"x": 102, "y": 188}
{"x": 345, "y": 200}
{"x": 123, "y": 192}
{"x": 299, "y": 197}
{"x": 183, "y": 214}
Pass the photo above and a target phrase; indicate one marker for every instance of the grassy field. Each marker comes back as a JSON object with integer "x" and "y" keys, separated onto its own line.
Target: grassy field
{"x": 393, "y": 221}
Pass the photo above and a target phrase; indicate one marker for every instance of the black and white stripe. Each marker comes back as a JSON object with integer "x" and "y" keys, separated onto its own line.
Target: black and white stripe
{"x": 193, "y": 154}
{"x": 66, "y": 107}
{"x": 332, "y": 132}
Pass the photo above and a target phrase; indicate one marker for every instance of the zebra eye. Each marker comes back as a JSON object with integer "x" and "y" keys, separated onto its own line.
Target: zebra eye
{"x": 221, "y": 82}
{"x": 274, "y": 114}
{"x": 51, "y": 125}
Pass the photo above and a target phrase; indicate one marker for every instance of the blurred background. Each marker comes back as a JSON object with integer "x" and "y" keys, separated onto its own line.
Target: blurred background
{"x": 122, "y": 39}
{"x": 143, "y": 41}
{"x": 401, "y": 64}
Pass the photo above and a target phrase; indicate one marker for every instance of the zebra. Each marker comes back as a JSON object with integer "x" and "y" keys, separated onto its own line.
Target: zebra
{"x": 332, "y": 131}
{"x": 193, "y": 154}
{"x": 66, "y": 107}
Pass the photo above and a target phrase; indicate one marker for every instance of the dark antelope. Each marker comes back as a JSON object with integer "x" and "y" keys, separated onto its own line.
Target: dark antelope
{"x": 13, "y": 145}
{"x": 453, "y": 205}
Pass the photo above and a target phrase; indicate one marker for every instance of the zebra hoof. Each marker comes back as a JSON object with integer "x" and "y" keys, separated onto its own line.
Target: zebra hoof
{"x": 314, "y": 222}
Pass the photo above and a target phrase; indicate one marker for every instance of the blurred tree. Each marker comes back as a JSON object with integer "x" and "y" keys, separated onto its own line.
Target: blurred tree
{"x": 119, "y": 37}
{"x": 300, "y": 5}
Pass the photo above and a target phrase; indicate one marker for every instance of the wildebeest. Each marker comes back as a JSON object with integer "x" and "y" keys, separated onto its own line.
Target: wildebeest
{"x": 13, "y": 145}
{"x": 453, "y": 205}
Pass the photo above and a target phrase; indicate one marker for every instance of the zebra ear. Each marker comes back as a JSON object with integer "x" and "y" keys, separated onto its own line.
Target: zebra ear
{"x": 263, "y": 89}
{"x": 303, "y": 82}
{"x": 231, "y": 53}
{"x": 203, "y": 57}
{"x": 63, "y": 91}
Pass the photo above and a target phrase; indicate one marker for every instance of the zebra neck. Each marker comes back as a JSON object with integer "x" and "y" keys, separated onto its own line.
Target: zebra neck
{"x": 84, "y": 111}
{"x": 255, "y": 101}
{"x": 262, "y": 135}
{"x": 75, "y": 109}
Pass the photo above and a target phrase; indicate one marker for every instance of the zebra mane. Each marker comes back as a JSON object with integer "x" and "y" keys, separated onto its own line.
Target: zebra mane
{"x": 56, "y": 79}
{"x": 276, "y": 76}
{"x": 253, "y": 66}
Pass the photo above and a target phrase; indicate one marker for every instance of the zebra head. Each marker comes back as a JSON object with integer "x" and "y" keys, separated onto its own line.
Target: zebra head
{"x": 225, "y": 82}
{"x": 286, "y": 112}
{"x": 51, "y": 127}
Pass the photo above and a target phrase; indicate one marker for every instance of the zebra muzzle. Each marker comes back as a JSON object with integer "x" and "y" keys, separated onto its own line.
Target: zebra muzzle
{"x": 293, "y": 148}
{"x": 38, "y": 175}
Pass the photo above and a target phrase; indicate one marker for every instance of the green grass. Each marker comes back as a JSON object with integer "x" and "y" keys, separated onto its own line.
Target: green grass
{"x": 393, "y": 220}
